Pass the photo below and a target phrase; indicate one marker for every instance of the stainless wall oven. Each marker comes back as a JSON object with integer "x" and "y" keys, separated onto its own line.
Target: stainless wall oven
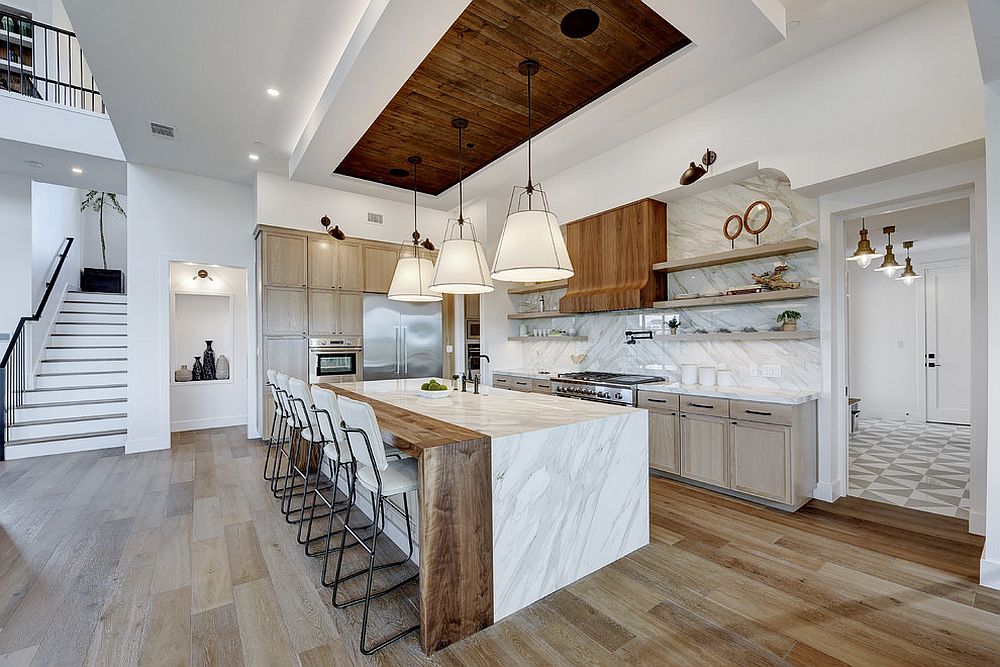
{"x": 335, "y": 359}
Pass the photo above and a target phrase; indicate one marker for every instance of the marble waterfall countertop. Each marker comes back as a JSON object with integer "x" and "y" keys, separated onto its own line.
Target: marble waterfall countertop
{"x": 497, "y": 413}
{"x": 785, "y": 396}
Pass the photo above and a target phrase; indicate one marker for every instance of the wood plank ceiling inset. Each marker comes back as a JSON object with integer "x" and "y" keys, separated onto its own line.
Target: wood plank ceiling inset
{"x": 472, "y": 72}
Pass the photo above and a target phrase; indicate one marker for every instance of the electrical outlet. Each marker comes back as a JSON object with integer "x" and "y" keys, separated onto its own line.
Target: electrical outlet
{"x": 770, "y": 371}
{"x": 754, "y": 371}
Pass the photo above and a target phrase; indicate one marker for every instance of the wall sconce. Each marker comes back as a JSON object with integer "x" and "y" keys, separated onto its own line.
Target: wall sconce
{"x": 202, "y": 273}
{"x": 696, "y": 171}
{"x": 336, "y": 232}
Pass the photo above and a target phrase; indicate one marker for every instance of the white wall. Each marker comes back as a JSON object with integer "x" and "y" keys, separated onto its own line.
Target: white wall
{"x": 15, "y": 250}
{"x": 285, "y": 203}
{"x": 886, "y": 343}
{"x": 115, "y": 236}
{"x": 175, "y": 217}
{"x": 222, "y": 319}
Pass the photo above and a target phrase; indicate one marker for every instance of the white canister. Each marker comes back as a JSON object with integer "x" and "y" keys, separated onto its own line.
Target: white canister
{"x": 689, "y": 374}
{"x": 523, "y": 330}
{"x": 725, "y": 378}
{"x": 706, "y": 376}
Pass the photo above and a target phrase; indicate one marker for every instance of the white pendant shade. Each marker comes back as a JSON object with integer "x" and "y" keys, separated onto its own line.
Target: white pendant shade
{"x": 461, "y": 268}
{"x": 412, "y": 279}
{"x": 532, "y": 249}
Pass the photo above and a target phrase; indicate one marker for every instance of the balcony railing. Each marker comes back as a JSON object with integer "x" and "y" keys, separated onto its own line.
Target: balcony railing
{"x": 46, "y": 63}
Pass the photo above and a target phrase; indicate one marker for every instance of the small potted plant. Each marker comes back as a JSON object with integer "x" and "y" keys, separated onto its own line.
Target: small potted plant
{"x": 789, "y": 320}
{"x": 674, "y": 323}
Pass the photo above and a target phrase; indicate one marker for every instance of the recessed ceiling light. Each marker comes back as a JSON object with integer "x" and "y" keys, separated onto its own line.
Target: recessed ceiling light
{"x": 580, "y": 23}
{"x": 254, "y": 157}
{"x": 34, "y": 164}
{"x": 273, "y": 92}
{"x": 792, "y": 24}
{"x": 76, "y": 170}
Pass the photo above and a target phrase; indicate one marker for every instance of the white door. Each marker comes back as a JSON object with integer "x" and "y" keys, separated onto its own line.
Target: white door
{"x": 948, "y": 358}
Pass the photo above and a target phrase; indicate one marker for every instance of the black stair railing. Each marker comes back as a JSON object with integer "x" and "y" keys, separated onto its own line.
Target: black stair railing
{"x": 13, "y": 364}
{"x": 45, "y": 62}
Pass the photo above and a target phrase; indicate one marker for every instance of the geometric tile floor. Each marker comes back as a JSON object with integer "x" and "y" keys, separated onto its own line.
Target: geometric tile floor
{"x": 913, "y": 464}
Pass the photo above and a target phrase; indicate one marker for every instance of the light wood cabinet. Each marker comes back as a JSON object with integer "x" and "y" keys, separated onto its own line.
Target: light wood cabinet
{"x": 379, "y": 265}
{"x": 332, "y": 312}
{"x": 472, "y": 306}
{"x": 285, "y": 311}
{"x": 704, "y": 445}
{"x": 512, "y": 382}
{"x": 541, "y": 386}
{"x": 288, "y": 355}
{"x": 664, "y": 454}
{"x": 350, "y": 263}
{"x": 335, "y": 264}
{"x": 284, "y": 259}
{"x": 760, "y": 459}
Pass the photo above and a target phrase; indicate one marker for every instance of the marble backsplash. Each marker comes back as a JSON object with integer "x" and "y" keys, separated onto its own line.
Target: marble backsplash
{"x": 695, "y": 228}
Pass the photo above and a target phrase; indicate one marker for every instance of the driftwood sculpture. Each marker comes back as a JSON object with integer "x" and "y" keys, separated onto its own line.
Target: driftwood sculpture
{"x": 775, "y": 280}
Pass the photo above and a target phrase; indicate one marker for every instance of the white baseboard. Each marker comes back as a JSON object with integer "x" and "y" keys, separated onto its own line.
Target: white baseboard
{"x": 989, "y": 573}
{"x": 133, "y": 446}
{"x": 211, "y": 422}
{"x": 827, "y": 491}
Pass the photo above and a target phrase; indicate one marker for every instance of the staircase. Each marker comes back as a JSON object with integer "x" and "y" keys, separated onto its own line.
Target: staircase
{"x": 79, "y": 399}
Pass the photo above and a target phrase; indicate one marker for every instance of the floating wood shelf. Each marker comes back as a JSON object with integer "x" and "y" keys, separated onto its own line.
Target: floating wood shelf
{"x": 741, "y": 255}
{"x": 539, "y": 316}
{"x": 538, "y": 287}
{"x": 531, "y": 339}
{"x": 726, "y": 300}
{"x": 744, "y": 335}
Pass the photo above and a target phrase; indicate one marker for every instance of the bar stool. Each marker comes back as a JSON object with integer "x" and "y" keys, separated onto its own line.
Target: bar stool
{"x": 384, "y": 478}
{"x": 271, "y": 442}
{"x": 285, "y": 423}
{"x": 294, "y": 427}
{"x": 310, "y": 438}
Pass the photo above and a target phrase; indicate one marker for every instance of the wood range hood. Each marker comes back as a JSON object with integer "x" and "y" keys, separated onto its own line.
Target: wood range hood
{"x": 613, "y": 255}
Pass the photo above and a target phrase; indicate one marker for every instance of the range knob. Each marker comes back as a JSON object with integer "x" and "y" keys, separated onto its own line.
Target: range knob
{"x": 618, "y": 395}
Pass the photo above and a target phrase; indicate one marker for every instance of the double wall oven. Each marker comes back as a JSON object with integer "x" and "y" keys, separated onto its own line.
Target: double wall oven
{"x": 335, "y": 359}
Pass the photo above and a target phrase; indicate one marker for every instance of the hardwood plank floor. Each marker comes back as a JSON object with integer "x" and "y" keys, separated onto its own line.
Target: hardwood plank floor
{"x": 181, "y": 557}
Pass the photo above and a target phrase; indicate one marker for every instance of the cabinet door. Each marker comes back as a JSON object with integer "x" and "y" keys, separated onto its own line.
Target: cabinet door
{"x": 379, "y": 265}
{"x": 288, "y": 355}
{"x": 322, "y": 263}
{"x": 472, "y": 306}
{"x": 284, "y": 311}
{"x": 284, "y": 260}
{"x": 349, "y": 262}
{"x": 761, "y": 458}
{"x": 705, "y": 448}
{"x": 351, "y": 315}
{"x": 664, "y": 454}
{"x": 323, "y": 312}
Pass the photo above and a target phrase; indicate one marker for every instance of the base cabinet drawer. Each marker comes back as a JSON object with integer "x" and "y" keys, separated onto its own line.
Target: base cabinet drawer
{"x": 664, "y": 453}
{"x": 760, "y": 457}
{"x": 541, "y": 386}
{"x": 704, "y": 445}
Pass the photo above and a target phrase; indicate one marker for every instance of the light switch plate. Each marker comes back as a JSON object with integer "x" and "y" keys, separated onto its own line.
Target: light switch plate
{"x": 770, "y": 371}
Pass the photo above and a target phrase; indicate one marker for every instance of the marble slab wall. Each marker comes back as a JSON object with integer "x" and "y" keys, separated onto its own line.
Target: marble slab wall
{"x": 566, "y": 502}
{"x": 695, "y": 228}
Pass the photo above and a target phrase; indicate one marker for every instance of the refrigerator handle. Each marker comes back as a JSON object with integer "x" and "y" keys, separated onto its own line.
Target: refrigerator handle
{"x": 396, "y": 328}
{"x": 406, "y": 363}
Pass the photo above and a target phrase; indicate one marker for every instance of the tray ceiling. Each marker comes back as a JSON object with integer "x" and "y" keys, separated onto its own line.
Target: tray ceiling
{"x": 472, "y": 72}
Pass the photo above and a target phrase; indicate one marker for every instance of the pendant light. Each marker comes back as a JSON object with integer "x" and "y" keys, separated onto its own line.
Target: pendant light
{"x": 411, "y": 280}
{"x": 461, "y": 265}
{"x": 531, "y": 248}
{"x": 865, "y": 252}
{"x": 889, "y": 264}
{"x": 909, "y": 276}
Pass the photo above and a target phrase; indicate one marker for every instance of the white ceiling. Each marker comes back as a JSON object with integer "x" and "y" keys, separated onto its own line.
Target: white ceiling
{"x": 204, "y": 67}
{"x": 99, "y": 173}
{"x": 930, "y": 227}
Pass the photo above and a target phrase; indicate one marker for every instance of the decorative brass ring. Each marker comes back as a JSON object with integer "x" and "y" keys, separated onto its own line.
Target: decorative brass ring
{"x": 739, "y": 226}
{"x": 746, "y": 218}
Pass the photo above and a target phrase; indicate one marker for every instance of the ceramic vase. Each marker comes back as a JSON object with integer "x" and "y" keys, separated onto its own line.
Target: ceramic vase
{"x": 222, "y": 368}
{"x": 208, "y": 362}
{"x": 182, "y": 375}
{"x": 197, "y": 370}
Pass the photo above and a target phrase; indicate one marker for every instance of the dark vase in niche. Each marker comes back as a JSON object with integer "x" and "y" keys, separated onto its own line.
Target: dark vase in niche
{"x": 197, "y": 370}
{"x": 208, "y": 362}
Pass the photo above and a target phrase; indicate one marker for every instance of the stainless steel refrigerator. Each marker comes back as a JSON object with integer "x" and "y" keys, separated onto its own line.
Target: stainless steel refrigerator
{"x": 402, "y": 339}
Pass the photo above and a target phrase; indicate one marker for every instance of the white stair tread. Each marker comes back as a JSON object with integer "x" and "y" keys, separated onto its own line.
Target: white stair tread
{"x": 86, "y": 347}
{"x": 60, "y": 404}
{"x": 82, "y": 361}
{"x": 49, "y": 375}
{"x": 97, "y": 324}
{"x": 66, "y": 420}
{"x": 85, "y": 386}
{"x": 59, "y": 438}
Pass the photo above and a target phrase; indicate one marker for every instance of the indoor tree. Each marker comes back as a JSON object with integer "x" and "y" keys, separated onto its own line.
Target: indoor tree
{"x": 95, "y": 200}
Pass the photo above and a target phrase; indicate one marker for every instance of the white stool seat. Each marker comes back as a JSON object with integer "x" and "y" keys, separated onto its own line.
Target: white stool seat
{"x": 399, "y": 477}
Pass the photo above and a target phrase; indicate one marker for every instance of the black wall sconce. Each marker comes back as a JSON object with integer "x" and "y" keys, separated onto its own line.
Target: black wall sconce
{"x": 336, "y": 232}
{"x": 696, "y": 171}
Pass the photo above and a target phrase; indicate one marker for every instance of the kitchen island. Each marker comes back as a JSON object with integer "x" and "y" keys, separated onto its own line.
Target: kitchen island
{"x": 519, "y": 496}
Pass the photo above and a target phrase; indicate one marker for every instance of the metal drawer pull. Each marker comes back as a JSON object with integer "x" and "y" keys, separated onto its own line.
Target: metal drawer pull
{"x": 759, "y": 412}
{"x": 521, "y": 383}
{"x": 656, "y": 400}
{"x": 702, "y": 405}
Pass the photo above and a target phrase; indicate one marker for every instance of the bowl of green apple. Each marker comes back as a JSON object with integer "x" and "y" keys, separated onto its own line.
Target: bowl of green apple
{"x": 434, "y": 389}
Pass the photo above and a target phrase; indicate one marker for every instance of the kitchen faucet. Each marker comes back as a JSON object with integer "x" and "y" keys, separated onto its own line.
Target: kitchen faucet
{"x": 475, "y": 386}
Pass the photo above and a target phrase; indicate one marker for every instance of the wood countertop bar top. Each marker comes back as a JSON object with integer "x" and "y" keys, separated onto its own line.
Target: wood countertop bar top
{"x": 455, "y": 500}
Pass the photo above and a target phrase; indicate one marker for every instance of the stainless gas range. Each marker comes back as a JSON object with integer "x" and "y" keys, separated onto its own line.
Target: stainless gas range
{"x": 615, "y": 388}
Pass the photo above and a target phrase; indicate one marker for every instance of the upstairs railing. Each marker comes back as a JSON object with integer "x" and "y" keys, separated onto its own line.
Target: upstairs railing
{"x": 13, "y": 364}
{"x": 45, "y": 62}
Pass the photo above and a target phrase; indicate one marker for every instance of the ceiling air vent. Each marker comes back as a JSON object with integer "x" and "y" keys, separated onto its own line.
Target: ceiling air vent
{"x": 374, "y": 218}
{"x": 161, "y": 130}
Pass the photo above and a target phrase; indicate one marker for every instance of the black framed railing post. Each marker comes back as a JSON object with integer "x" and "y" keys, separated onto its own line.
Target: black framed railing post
{"x": 14, "y": 362}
